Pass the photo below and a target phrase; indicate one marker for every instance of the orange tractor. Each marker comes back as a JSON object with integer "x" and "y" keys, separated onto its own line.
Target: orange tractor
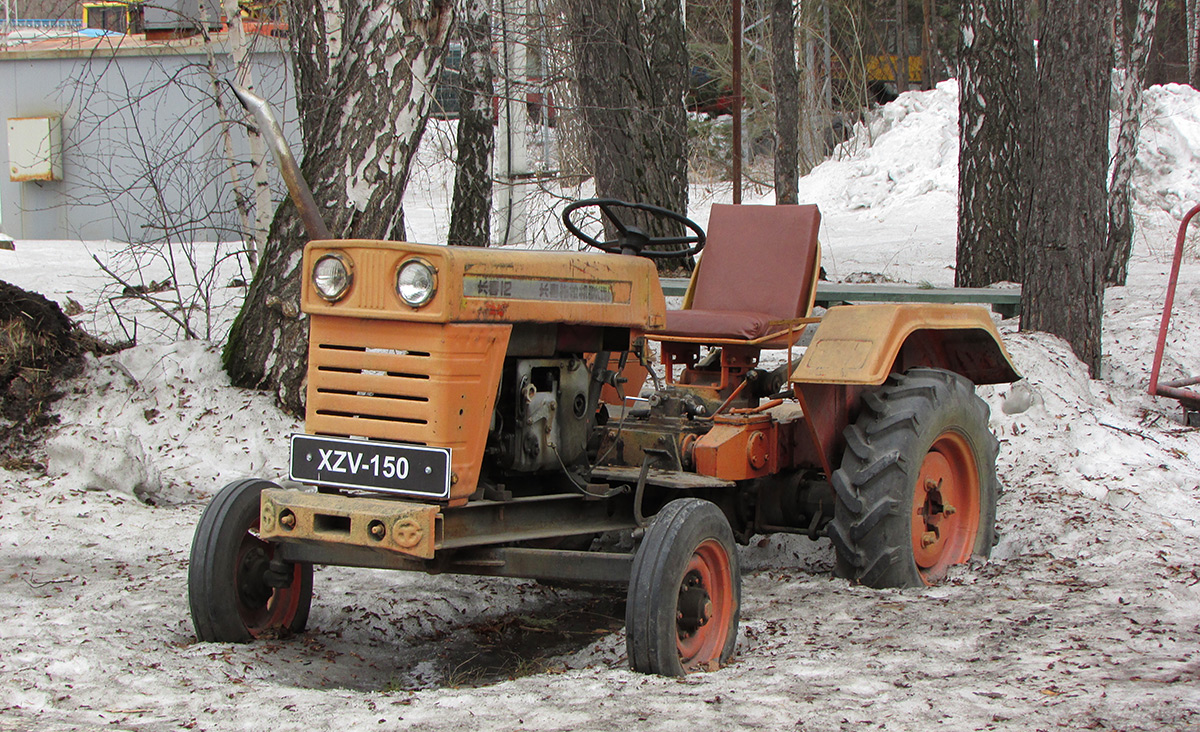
{"x": 483, "y": 411}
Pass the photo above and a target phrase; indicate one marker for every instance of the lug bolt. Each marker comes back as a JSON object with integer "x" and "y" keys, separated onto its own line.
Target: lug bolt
{"x": 929, "y": 539}
{"x": 949, "y": 510}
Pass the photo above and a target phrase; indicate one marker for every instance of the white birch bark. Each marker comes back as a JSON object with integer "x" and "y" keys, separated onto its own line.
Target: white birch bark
{"x": 1120, "y": 193}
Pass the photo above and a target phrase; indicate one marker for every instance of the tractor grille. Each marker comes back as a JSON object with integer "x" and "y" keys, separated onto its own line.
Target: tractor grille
{"x": 417, "y": 383}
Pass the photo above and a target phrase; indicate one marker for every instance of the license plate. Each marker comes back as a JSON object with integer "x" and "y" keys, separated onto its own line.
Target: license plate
{"x": 378, "y": 466}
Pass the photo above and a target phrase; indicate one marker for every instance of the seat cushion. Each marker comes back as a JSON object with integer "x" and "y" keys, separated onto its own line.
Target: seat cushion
{"x": 718, "y": 324}
{"x": 759, "y": 258}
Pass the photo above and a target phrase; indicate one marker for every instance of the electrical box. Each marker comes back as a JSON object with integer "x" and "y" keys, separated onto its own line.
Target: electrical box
{"x": 35, "y": 148}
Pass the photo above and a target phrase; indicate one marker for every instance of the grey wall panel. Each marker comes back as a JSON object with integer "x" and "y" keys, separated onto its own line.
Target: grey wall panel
{"x": 143, "y": 157}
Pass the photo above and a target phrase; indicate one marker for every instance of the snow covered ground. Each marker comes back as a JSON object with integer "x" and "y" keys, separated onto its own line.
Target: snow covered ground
{"x": 1087, "y": 616}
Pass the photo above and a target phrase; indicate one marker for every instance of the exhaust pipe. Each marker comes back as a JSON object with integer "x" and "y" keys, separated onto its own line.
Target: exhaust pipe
{"x": 288, "y": 167}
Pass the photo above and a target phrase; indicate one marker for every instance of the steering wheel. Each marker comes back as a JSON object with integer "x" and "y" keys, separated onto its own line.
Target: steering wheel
{"x": 632, "y": 239}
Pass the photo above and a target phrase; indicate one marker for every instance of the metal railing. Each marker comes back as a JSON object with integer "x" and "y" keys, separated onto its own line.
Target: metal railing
{"x": 1189, "y": 398}
{"x": 63, "y": 23}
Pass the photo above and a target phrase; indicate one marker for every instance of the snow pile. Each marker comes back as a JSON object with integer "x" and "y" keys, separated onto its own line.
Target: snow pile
{"x": 1167, "y": 174}
{"x": 905, "y": 150}
{"x": 161, "y": 423}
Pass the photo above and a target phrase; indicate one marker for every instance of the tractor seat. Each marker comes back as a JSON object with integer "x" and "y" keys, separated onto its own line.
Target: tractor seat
{"x": 759, "y": 270}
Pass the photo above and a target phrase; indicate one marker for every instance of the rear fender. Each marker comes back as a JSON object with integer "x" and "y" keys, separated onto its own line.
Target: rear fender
{"x": 862, "y": 344}
{"x": 856, "y": 347}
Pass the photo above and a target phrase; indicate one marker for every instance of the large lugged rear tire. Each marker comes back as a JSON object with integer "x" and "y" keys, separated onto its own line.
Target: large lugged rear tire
{"x": 233, "y": 594}
{"x": 917, "y": 487}
{"x": 685, "y": 590}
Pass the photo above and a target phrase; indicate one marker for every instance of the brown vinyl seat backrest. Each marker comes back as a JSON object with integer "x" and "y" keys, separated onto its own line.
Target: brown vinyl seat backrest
{"x": 760, "y": 264}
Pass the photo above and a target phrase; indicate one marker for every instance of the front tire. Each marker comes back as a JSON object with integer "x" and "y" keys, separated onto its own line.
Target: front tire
{"x": 916, "y": 490}
{"x": 234, "y": 593}
{"x": 684, "y": 599}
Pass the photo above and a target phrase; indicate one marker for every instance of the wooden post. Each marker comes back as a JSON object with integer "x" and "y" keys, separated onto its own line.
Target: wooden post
{"x": 736, "y": 38}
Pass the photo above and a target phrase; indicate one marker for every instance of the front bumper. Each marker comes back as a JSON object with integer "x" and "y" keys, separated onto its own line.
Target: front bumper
{"x": 397, "y": 527}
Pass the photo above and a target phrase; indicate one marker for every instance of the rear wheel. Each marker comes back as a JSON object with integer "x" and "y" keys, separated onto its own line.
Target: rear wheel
{"x": 681, "y": 614}
{"x": 917, "y": 487}
{"x": 236, "y": 589}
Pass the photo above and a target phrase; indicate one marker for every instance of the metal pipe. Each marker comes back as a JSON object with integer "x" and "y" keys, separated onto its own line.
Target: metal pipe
{"x": 1182, "y": 382}
{"x": 297, "y": 187}
{"x": 1188, "y": 398}
{"x": 500, "y": 561}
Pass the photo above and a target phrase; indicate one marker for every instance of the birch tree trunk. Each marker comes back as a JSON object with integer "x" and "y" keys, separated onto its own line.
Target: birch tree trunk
{"x": 471, "y": 208}
{"x": 1120, "y": 189}
{"x": 263, "y": 209}
{"x": 1063, "y": 287}
{"x": 632, "y": 74}
{"x": 994, "y": 106}
{"x": 365, "y": 71}
{"x": 786, "y": 81}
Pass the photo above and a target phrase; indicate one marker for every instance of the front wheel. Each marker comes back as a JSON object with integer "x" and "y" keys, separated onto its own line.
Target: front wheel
{"x": 236, "y": 589}
{"x": 917, "y": 487}
{"x": 685, "y": 590}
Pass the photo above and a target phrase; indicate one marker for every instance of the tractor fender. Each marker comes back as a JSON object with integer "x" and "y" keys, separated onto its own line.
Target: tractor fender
{"x": 862, "y": 344}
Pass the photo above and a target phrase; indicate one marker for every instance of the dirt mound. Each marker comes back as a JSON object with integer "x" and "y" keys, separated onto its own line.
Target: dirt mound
{"x": 39, "y": 347}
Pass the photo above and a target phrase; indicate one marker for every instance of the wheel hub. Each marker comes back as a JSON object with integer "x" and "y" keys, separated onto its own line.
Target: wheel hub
{"x": 695, "y": 605}
{"x": 934, "y": 511}
{"x": 945, "y": 498}
{"x": 251, "y": 578}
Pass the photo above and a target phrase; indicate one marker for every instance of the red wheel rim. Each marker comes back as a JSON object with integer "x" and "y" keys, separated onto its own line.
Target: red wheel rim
{"x": 945, "y": 510}
{"x": 263, "y": 609}
{"x": 704, "y": 607}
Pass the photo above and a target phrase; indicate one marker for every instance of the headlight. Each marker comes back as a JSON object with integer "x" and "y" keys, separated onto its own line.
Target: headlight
{"x": 416, "y": 282}
{"x": 331, "y": 276}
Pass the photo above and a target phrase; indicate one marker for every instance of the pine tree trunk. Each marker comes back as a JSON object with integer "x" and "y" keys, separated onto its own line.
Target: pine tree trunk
{"x": 994, "y": 106}
{"x": 632, "y": 74}
{"x": 1192, "y": 9}
{"x": 1120, "y": 190}
{"x": 471, "y": 209}
{"x": 364, "y": 74}
{"x": 786, "y": 81}
{"x": 901, "y": 46}
{"x": 1063, "y": 289}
